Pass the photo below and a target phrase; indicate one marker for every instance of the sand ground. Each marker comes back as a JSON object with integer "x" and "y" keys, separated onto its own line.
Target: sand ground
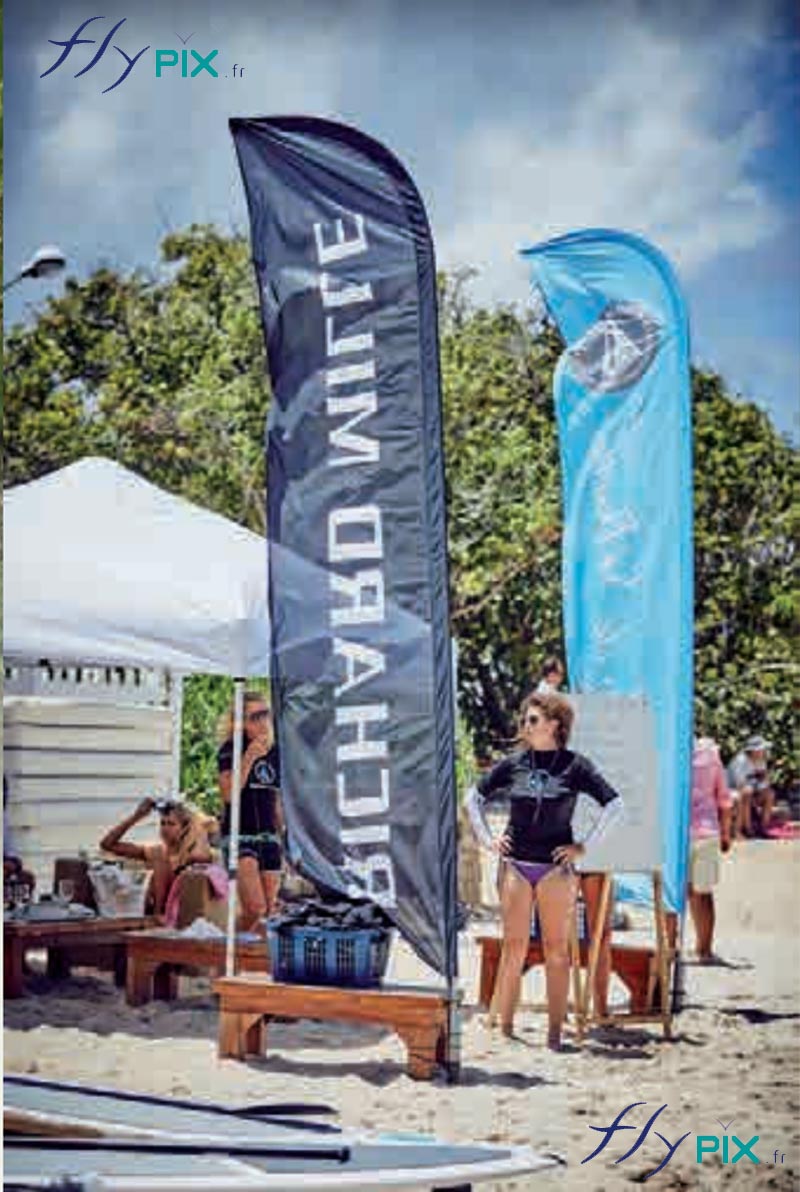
{"x": 734, "y": 1056}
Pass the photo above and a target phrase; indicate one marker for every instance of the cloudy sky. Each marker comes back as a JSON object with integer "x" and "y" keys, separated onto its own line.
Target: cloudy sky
{"x": 518, "y": 119}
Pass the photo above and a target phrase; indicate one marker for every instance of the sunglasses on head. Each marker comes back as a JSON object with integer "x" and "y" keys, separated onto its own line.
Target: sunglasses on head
{"x": 262, "y": 714}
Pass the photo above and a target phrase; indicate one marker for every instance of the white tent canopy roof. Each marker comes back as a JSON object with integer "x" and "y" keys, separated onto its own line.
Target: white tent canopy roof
{"x": 101, "y": 566}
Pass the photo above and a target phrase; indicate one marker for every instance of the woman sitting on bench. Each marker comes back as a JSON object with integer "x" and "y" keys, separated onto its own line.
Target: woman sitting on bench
{"x": 183, "y": 842}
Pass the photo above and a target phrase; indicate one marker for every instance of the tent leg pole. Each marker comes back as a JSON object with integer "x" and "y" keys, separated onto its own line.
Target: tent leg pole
{"x": 176, "y": 712}
{"x": 233, "y": 843}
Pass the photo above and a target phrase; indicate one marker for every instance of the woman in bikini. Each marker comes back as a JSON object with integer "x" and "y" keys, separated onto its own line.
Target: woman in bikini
{"x": 183, "y": 841}
{"x": 542, "y": 781}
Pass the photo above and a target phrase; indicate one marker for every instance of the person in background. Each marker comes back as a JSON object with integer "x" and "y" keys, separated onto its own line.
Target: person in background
{"x": 15, "y": 872}
{"x": 183, "y": 841}
{"x": 710, "y": 835}
{"x": 13, "y": 868}
{"x": 543, "y": 781}
{"x": 261, "y": 818}
{"x": 753, "y": 792}
{"x": 551, "y": 677}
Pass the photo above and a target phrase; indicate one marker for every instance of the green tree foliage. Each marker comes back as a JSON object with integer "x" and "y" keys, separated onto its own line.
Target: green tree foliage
{"x": 747, "y": 600}
{"x": 167, "y": 375}
{"x": 206, "y": 700}
{"x": 503, "y": 507}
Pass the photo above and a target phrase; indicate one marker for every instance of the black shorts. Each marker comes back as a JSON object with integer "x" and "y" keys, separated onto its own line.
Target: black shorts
{"x": 266, "y": 851}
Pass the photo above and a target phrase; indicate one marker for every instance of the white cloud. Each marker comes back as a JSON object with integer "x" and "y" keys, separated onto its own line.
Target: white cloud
{"x": 170, "y": 123}
{"x": 640, "y": 148}
{"x": 518, "y": 121}
{"x": 657, "y": 135}
{"x": 83, "y": 140}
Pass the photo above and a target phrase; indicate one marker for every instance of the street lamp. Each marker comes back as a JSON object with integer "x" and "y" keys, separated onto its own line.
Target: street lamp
{"x": 44, "y": 263}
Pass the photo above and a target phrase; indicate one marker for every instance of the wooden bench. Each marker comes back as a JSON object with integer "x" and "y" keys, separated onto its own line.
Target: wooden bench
{"x": 633, "y": 965}
{"x": 247, "y": 1004}
{"x": 155, "y": 958}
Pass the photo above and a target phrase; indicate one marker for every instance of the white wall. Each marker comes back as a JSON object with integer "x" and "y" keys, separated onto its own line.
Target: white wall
{"x": 76, "y": 765}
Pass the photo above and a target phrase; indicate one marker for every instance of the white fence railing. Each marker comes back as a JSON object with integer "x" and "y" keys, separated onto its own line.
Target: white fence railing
{"x": 106, "y": 684}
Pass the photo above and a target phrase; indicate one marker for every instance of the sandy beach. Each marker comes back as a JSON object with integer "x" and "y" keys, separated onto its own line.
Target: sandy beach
{"x": 734, "y": 1056}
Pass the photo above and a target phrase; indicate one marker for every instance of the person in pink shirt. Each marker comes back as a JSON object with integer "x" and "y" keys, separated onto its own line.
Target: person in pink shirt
{"x": 710, "y": 835}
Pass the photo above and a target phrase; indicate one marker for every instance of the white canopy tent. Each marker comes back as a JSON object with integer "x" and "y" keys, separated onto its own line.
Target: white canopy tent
{"x": 102, "y": 567}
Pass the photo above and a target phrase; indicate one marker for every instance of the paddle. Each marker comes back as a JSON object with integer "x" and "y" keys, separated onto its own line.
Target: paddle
{"x": 255, "y": 1150}
{"x": 265, "y": 1112}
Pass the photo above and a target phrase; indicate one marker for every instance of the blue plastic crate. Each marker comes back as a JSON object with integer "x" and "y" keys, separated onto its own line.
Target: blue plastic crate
{"x": 350, "y": 958}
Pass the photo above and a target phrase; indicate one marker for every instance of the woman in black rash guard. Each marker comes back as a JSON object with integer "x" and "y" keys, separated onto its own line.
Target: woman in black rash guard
{"x": 542, "y": 781}
{"x": 261, "y": 817}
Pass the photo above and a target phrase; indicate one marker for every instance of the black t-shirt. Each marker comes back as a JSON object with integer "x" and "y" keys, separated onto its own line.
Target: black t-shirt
{"x": 258, "y": 809}
{"x": 543, "y": 788}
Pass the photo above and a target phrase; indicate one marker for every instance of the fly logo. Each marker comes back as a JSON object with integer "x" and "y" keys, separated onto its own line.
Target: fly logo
{"x": 189, "y": 63}
{"x": 729, "y": 1149}
{"x": 617, "y": 1127}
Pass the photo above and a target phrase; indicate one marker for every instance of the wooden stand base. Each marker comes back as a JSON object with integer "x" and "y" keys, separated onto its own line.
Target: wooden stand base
{"x": 645, "y": 971}
{"x": 247, "y": 1004}
{"x": 633, "y": 966}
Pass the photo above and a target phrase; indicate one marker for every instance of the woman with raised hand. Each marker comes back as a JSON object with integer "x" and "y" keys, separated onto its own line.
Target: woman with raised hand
{"x": 542, "y": 781}
{"x": 261, "y": 819}
{"x": 183, "y": 841}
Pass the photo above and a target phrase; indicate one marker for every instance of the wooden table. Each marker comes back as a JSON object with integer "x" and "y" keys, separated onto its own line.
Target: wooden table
{"x": 632, "y": 964}
{"x": 156, "y": 957}
{"x": 67, "y": 942}
{"x": 247, "y": 1004}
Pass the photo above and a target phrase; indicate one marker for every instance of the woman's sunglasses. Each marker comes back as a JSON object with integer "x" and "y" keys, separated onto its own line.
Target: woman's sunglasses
{"x": 260, "y": 715}
{"x": 532, "y": 721}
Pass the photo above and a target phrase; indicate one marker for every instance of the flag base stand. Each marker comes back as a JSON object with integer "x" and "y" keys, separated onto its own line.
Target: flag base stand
{"x": 658, "y": 1000}
{"x": 646, "y": 971}
{"x": 452, "y": 1058}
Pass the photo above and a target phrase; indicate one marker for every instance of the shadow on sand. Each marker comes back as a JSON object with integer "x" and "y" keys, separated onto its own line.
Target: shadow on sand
{"x": 717, "y": 962}
{"x": 757, "y": 1017}
{"x": 383, "y": 1072}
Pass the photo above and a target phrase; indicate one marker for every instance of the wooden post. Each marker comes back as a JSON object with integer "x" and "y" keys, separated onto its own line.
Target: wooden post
{"x": 13, "y": 958}
{"x": 662, "y": 952}
{"x": 575, "y": 961}
{"x": 596, "y": 939}
{"x": 490, "y": 957}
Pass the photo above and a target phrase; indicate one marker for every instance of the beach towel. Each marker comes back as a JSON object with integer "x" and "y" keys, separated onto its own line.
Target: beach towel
{"x": 786, "y": 831}
{"x": 217, "y": 880}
